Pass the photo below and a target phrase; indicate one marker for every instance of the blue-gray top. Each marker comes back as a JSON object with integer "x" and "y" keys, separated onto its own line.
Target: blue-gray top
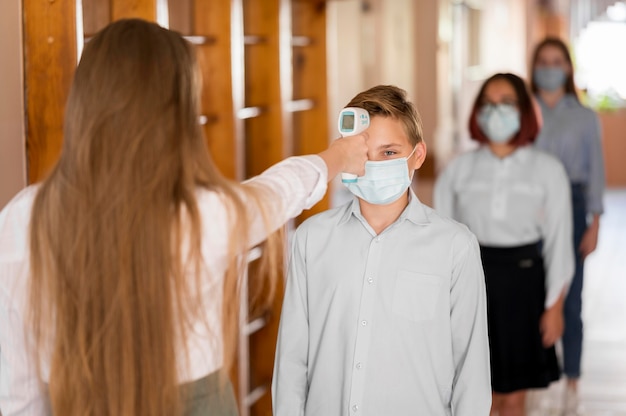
{"x": 572, "y": 133}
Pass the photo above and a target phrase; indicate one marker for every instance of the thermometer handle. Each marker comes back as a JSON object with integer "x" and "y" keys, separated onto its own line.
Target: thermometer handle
{"x": 358, "y": 120}
{"x": 348, "y": 177}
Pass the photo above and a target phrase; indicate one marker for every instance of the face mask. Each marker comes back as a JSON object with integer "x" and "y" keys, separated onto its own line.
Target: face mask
{"x": 384, "y": 182}
{"x": 499, "y": 122}
{"x": 548, "y": 78}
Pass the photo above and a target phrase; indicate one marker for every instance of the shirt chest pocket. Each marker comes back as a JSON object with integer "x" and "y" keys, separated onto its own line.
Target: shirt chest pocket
{"x": 416, "y": 295}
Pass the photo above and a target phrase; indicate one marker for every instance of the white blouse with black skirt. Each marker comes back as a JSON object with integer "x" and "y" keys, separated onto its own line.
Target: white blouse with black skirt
{"x": 514, "y": 201}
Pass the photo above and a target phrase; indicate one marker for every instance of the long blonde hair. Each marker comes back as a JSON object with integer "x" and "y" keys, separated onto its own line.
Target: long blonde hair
{"x": 109, "y": 298}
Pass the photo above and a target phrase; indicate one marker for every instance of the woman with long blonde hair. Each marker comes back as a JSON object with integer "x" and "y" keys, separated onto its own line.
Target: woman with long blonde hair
{"x": 119, "y": 272}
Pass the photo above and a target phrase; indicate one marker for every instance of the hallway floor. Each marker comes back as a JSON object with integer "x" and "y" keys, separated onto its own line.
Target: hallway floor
{"x": 602, "y": 388}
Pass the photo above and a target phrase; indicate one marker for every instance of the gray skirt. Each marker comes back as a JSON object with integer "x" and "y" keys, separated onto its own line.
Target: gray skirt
{"x": 206, "y": 397}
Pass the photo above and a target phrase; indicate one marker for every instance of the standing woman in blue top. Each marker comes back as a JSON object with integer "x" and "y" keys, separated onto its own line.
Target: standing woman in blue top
{"x": 571, "y": 132}
{"x": 515, "y": 198}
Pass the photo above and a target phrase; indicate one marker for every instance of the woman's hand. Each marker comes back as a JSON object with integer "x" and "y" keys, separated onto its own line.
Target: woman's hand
{"x": 347, "y": 154}
{"x": 589, "y": 241}
{"x": 551, "y": 324}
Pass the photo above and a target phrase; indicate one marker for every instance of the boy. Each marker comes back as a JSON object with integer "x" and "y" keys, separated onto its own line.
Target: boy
{"x": 384, "y": 310}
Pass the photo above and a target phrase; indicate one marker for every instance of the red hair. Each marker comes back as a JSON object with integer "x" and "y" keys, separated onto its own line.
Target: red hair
{"x": 529, "y": 122}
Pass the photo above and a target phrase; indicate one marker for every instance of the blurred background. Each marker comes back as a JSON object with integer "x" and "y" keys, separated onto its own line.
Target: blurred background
{"x": 277, "y": 72}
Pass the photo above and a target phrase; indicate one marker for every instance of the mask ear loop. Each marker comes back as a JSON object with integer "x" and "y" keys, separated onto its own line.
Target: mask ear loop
{"x": 411, "y": 154}
{"x": 407, "y": 161}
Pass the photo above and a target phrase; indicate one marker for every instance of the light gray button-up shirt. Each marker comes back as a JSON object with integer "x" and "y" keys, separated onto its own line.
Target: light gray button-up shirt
{"x": 509, "y": 202}
{"x": 388, "y": 324}
{"x": 571, "y": 132}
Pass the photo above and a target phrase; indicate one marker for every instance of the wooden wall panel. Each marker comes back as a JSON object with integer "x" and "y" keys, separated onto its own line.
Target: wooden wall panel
{"x": 264, "y": 146}
{"x": 212, "y": 19}
{"x": 263, "y": 348}
{"x": 309, "y": 82}
{"x": 144, "y": 9}
{"x": 96, "y": 15}
{"x": 309, "y": 79}
{"x": 181, "y": 15}
{"x": 258, "y": 82}
{"x": 50, "y": 51}
{"x": 264, "y": 135}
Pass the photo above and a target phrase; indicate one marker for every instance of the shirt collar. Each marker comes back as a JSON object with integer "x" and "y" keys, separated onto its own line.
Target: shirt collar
{"x": 414, "y": 211}
{"x": 567, "y": 101}
{"x": 520, "y": 155}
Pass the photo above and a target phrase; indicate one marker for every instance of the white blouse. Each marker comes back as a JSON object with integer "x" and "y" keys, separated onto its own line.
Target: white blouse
{"x": 296, "y": 183}
{"x": 517, "y": 200}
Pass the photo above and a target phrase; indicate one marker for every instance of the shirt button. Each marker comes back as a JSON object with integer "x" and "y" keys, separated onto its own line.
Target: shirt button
{"x": 355, "y": 408}
{"x": 370, "y": 280}
{"x": 359, "y": 366}
{"x": 363, "y": 323}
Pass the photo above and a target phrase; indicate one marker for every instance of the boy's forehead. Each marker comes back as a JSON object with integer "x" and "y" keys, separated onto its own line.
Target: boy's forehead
{"x": 386, "y": 132}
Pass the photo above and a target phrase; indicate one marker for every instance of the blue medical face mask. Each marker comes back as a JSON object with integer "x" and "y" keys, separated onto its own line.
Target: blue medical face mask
{"x": 499, "y": 122}
{"x": 384, "y": 181}
{"x": 549, "y": 78}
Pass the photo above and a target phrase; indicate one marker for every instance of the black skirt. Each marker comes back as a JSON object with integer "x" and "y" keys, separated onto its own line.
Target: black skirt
{"x": 515, "y": 280}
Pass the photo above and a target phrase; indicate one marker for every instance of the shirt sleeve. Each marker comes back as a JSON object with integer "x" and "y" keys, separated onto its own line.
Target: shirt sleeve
{"x": 20, "y": 392}
{"x": 558, "y": 250}
{"x": 596, "y": 183}
{"x": 20, "y": 387}
{"x": 471, "y": 391}
{"x": 290, "y": 380}
{"x": 289, "y": 187}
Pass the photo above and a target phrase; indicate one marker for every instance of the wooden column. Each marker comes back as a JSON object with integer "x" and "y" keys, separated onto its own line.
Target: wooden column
{"x": 212, "y": 22}
{"x": 264, "y": 139}
{"x": 144, "y": 9}
{"x": 426, "y": 98}
{"x": 96, "y": 15}
{"x": 309, "y": 103}
{"x": 50, "y": 49}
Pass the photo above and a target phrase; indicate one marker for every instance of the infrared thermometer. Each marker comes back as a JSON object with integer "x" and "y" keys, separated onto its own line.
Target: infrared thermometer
{"x": 352, "y": 120}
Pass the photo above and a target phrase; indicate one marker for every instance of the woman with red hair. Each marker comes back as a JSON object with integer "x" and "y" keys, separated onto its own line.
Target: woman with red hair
{"x": 515, "y": 199}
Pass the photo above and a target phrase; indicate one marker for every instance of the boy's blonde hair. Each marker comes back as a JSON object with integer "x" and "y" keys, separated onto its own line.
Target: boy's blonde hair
{"x": 391, "y": 101}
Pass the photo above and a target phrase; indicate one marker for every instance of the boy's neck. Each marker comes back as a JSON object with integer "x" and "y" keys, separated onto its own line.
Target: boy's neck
{"x": 379, "y": 217}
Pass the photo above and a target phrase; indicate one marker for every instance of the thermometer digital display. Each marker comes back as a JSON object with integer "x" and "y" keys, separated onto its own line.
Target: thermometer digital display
{"x": 347, "y": 122}
{"x": 353, "y": 120}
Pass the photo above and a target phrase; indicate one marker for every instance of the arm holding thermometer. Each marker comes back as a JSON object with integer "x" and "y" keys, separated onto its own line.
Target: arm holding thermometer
{"x": 352, "y": 121}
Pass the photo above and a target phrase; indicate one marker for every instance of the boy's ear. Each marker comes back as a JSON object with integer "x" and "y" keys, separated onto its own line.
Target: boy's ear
{"x": 419, "y": 156}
